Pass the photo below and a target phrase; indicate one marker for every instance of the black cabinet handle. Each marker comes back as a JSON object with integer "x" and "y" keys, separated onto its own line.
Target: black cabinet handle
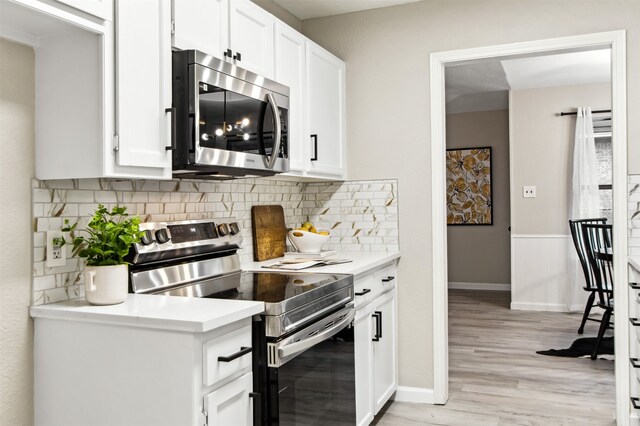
{"x": 634, "y": 362}
{"x": 378, "y": 316}
{"x": 634, "y": 402}
{"x": 315, "y": 147}
{"x": 634, "y": 286}
{"x": 257, "y": 407}
{"x": 173, "y": 128}
{"x": 243, "y": 351}
{"x": 228, "y": 53}
{"x": 634, "y": 322}
{"x": 389, "y": 278}
{"x": 237, "y": 56}
{"x": 363, "y": 292}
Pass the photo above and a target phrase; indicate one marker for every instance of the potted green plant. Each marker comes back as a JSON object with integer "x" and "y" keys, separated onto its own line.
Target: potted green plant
{"x": 107, "y": 241}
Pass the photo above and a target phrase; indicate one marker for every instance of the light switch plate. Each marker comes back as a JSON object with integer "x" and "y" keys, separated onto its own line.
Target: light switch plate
{"x": 528, "y": 192}
{"x": 56, "y": 252}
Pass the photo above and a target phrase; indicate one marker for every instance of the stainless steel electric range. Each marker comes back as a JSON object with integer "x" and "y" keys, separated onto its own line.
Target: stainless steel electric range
{"x": 303, "y": 349}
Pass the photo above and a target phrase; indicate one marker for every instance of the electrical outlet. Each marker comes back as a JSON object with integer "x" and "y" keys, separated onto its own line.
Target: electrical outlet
{"x": 528, "y": 192}
{"x": 56, "y": 252}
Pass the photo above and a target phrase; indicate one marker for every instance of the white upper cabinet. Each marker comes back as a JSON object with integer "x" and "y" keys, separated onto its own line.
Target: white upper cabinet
{"x": 326, "y": 112}
{"x": 143, "y": 99}
{"x": 251, "y": 37}
{"x": 202, "y": 25}
{"x": 101, "y": 8}
{"x": 290, "y": 71}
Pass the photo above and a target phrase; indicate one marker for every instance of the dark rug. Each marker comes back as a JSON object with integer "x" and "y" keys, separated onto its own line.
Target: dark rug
{"x": 582, "y": 347}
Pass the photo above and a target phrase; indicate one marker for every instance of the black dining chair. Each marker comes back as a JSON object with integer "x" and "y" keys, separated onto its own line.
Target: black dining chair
{"x": 599, "y": 248}
{"x": 590, "y": 285}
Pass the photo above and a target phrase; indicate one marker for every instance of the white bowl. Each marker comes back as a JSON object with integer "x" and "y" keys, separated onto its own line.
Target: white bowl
{"x": 307, "y": 242}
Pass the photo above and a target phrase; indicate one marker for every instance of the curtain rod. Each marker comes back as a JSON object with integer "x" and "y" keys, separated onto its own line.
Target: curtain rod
{"x": 576, "y": 112}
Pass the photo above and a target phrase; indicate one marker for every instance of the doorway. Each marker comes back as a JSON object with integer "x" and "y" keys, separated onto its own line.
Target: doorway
{"x": 616, "y": 42}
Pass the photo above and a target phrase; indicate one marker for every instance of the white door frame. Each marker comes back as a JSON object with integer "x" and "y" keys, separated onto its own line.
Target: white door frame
{"x": 616, "y": 40}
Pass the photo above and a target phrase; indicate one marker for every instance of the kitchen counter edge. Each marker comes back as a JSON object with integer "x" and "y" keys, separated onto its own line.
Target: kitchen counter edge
{"x": 362, "y": 262}
{"x": 153, "y": 311}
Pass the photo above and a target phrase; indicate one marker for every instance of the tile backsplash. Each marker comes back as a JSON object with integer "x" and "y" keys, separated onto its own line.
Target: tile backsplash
{"x": 362, "y": 215}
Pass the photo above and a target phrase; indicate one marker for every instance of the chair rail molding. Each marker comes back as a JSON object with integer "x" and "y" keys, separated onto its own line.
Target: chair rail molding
{"x": 616, "y": 41}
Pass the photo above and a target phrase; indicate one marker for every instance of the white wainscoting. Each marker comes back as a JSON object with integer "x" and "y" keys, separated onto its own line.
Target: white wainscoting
{"x": 455, "y": 285}
{"x": 540, "y": 271}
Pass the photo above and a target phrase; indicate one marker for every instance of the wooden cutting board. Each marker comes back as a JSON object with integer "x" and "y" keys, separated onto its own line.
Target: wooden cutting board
{"x": 269, "y": 232}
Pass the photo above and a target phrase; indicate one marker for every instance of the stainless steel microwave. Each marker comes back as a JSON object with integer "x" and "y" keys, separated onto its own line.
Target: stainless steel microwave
{"x": 228, "y": 122}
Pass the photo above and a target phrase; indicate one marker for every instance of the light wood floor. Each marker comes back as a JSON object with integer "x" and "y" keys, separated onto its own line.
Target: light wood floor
{"x": 496, "y": 378}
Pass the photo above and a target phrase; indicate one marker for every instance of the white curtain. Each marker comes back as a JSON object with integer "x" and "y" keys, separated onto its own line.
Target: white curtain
{"x": 585, "y": 199}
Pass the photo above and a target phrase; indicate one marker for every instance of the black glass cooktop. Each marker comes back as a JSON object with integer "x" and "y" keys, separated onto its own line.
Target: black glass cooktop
{"x": 280, "y": 291}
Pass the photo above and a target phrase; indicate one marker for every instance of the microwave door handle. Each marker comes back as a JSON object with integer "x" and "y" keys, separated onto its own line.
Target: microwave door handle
{"x": 271, "y": 161}
{"x": 303, "y": 345}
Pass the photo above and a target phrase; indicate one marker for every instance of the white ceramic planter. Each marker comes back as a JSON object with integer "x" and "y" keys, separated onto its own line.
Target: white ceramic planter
{"x": 106, "y": 285}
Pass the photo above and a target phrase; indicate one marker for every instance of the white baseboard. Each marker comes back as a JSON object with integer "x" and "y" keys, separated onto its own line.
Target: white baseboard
{"x": 417, "y": 395}
{"x": 545, "y": 307}
{"x": 453, "y": 285}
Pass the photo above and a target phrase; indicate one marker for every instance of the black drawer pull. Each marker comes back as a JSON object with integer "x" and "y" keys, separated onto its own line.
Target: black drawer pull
{"x": 363, "y": 292}
{"x": 634, "y": 322}
{"x": 386, "y": 280}
{"x": 378, "y": 316}
{"x": 634, "y": 362}
{"x": 257, "y": 407}
{"x": 634, "y": 402}
{"x": 243, "y": 351}
{"x": 634, "y": 286}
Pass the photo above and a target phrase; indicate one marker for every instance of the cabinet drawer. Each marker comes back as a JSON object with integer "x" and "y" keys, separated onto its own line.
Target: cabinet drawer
{"x": 365, "y": 288}
{"x": 229, "y": 345}
{"x": 386, "y": 277}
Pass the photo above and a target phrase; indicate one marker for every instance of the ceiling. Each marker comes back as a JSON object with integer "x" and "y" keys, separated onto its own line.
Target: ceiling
{"x": 307, "y": 9}
{"x": 484, "y": 86}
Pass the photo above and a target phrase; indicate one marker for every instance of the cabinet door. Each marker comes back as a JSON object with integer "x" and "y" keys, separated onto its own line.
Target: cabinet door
{"x": 143, "y": 83}
{"x": 363, "y": 333}
{"x": 202, "y": 25}
{"x": 290, "y": 71}
{"x": 251, "y": 36}
{"x": 326, "y": 111}
{"x": 231, "y": 404}
{"x": 100, "y": 8}
{"x": 384, "y": 349}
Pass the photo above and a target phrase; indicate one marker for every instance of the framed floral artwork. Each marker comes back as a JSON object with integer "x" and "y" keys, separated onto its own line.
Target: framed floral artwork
{"x": 469, "y": 197}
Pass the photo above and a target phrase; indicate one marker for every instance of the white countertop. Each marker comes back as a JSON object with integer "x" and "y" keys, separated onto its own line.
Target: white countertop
{"x": 154, "y": 311}
{"x": 362, "y": 262}
{"x": 194, "y": 314}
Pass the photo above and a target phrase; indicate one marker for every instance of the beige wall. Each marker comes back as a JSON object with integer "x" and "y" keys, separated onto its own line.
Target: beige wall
{"x": 387, "y": 56}
{"x": 276, "y": 10}
{"x": 17, "y": 111}
{"x": 542, "y": 153}
{"x": 481, "y": 254}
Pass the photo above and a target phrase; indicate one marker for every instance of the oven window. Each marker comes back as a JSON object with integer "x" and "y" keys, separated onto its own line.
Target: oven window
{"x": 234, "y": 122}
{"x": 318, "y": 386}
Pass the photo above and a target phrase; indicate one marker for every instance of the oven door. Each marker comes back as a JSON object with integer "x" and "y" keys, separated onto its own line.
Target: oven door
{"x": 314, "y": 382}
{"x": 237, "y": 124}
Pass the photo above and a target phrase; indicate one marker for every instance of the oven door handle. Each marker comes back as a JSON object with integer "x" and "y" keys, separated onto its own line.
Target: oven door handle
{"x": 271, "y": 161}
{"x": 303, "y": 345}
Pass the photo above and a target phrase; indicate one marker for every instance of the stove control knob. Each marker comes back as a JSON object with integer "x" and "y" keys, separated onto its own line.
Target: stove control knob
{"x": 162, "y": 235}
{"x": 223, "y": 230}
{"x": 234, "y": 228}
{"x": 147, "y": 237}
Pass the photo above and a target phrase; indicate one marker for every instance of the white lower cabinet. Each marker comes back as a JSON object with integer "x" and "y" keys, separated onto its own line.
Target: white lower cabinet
{"x": 231, "y": 404}
{"x": 375, "y": 342}
{"x": 123, "y": 375}
{"x": 385, "y": 380}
